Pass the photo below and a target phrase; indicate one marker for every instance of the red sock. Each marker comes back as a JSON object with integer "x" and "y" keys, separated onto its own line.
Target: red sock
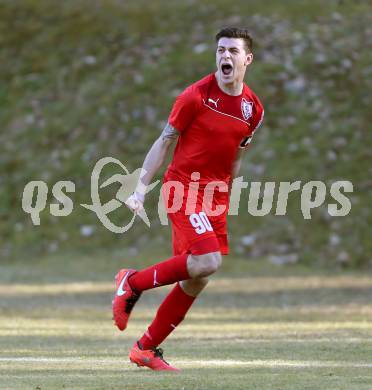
{"x": 170, "y": 314}
{"x": 167, "y": 272}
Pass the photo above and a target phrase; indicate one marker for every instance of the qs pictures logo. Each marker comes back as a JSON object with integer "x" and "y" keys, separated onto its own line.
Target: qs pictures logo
{"x": 263, "y": 198}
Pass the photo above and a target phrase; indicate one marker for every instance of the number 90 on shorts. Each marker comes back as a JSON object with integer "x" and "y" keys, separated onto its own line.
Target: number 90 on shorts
{"x": 200, "y": 222}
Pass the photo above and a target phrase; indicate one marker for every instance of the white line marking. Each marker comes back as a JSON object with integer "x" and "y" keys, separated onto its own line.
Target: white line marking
{"x": 259, "y": 122}
{"x": 155, "y": 281}
{"x": 186, "y": 362}
{"x": 222, "y": 113}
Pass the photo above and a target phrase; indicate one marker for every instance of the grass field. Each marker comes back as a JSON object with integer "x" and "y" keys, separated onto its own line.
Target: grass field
{"x": 299, "y": 329}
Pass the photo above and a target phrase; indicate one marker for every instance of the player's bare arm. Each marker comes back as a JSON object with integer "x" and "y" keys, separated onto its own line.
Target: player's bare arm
{"x": 237, "y": 163}
{"x": 158, "y": 153}
{"x": 236, "y": 166}
{"x": 153, "y": 161}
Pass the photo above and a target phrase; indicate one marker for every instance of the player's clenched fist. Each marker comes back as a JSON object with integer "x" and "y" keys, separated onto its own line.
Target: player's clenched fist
{"x": 135, "y": 202}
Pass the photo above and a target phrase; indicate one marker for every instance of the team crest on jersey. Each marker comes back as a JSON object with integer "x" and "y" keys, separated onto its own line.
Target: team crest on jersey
{"x": 247, "y": 108}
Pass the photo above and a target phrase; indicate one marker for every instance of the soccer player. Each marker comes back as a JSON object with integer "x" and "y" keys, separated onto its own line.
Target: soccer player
{"x": 212, "y": 121}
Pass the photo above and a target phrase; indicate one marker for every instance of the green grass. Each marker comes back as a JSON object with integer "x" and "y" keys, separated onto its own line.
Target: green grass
{"x": 255, "y": 327}
{"x": 81, "y": 81}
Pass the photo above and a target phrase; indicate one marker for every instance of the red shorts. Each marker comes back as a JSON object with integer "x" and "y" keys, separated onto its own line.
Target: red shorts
{"x": 195, "y": 229}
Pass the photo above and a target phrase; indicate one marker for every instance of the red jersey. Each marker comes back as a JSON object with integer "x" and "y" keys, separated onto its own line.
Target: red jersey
{"x": 212, "y": 126}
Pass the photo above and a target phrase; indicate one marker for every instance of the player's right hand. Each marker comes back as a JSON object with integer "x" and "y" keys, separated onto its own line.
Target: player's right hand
{"x": 135, "y": 202}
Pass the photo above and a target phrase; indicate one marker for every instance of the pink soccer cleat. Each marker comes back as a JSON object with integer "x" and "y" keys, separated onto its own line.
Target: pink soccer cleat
{"x": 151, "y": 358}
{"x": 125, "y": 298}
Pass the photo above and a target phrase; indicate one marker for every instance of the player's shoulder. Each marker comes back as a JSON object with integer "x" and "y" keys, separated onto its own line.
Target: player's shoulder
{"x": 252, "y": 107}
{"x": 249, "y": 95}
{"x": 198, "y": 89}
{"x": 188, "y": 104}
{"x": 203, "y": 84}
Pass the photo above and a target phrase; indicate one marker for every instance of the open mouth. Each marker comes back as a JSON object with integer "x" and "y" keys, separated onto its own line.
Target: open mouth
{"x": 226, "y": 69}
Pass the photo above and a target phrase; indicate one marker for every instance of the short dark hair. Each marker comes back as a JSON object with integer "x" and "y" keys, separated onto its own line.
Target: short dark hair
{"x": 236, "y": 32}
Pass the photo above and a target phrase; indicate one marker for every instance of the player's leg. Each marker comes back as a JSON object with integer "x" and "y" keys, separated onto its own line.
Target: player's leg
{"x": 181, "y": 267}
{"x": 169, "y": 315}
{"x": 173, "y": 309}
{"x": 130, "y": 283}
{"x": 202, "y": 265}
{"x": 122, "y": 305}
{"x": 204, "y": 260}
{"x": 194, "y": 287}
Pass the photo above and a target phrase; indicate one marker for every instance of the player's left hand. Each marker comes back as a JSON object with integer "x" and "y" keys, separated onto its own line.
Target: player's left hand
{"x": 135, "y": 202}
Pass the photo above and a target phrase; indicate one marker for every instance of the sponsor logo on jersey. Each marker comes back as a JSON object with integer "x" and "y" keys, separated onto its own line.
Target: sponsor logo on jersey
{"x": 213, "y": 101}
{"x": 247, "y": 108}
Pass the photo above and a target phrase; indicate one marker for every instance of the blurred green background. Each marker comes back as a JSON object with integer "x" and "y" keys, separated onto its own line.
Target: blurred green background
{"x": 81, "y": 80}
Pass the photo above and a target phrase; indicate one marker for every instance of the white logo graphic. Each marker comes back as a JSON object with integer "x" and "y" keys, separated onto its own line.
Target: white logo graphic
{"x": 214, "y": 101}
{"x": 247, "y": 108}
{"x": 313, "y": 194}
{"x": 128, "y": 184}
{"x": 120, "y": 291}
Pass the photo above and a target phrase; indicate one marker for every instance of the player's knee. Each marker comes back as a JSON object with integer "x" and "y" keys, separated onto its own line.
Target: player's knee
{"x": 208, "y": 263}
{"x": 194, "y": 286}
{"x": 197, "y": 283}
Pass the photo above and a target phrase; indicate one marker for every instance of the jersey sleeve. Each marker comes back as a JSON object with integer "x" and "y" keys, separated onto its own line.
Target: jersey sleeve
{"x": 257, "y": 119}
{"x": 184, "y": 109}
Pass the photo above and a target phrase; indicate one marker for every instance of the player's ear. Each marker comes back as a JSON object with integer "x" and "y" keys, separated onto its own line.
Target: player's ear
{"x": 248, "y": 59}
